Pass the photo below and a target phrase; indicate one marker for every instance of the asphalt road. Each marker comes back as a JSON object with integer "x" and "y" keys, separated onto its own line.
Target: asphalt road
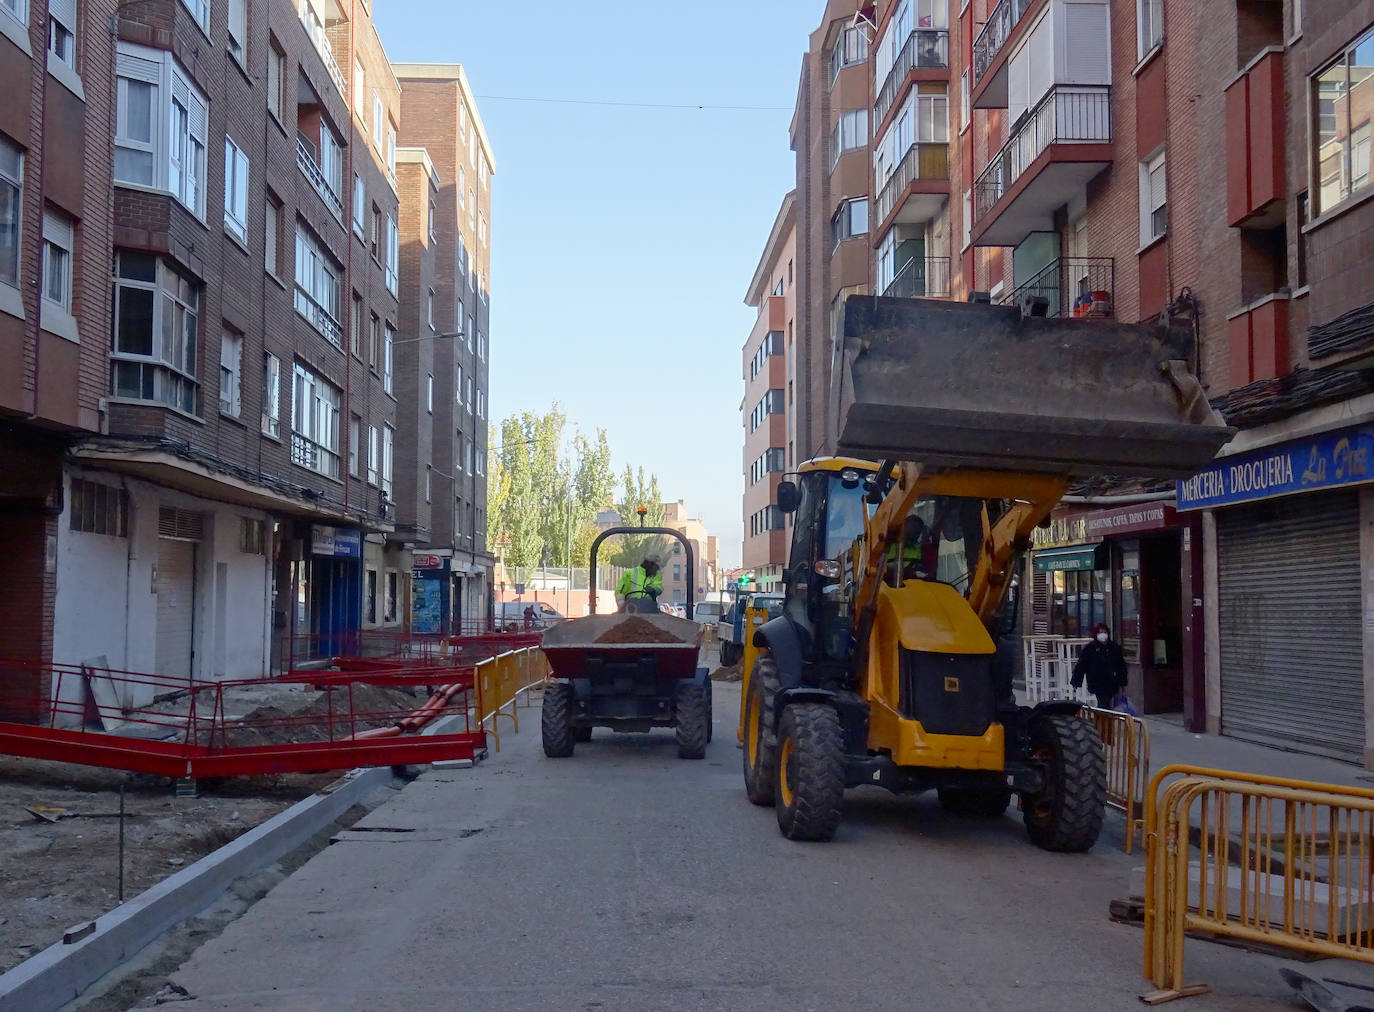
{"x": 625, "y": 878}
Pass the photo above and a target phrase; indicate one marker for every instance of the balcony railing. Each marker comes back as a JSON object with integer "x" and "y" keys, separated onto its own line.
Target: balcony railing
{"x": 320, "y": 318}
{"x": 305, "y": 158}
{"x": 921, "y": 279}
{"x": 993, "y": 37}
{"x": 316, "y": 31}
{"x": 922, "y": 161}
{"x": 926, "y": 48}
{"x": 1071, "y": 286}
{"x": 1066, "y": 115}
{"x": 308, "y": 453}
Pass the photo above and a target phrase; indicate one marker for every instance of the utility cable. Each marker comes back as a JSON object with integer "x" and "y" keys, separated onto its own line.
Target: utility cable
{"x": 633, "y": 105}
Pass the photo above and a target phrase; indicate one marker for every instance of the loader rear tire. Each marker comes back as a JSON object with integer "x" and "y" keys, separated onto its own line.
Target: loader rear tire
{"x": 760, "y": 738}
{"x": 554, "y": 720}
{"x": 1067, "y": 815}
{"x": 974, "y": 803}
{"x": 582, "y": 734}
{"x": 810, "y": 783}
{"x": 691, "y": 704}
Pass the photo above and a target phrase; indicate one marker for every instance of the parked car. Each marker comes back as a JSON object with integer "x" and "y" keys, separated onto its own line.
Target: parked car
{"x": 708, "y": 612}
{"x": 510, "y": 615}
{"x": 676, "y": 610}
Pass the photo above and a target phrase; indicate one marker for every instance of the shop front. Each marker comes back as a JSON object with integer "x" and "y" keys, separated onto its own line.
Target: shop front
{"x": 321, "y": 571}
{"x": 1291, "y": 620}
{"x": 1132, "y": 568}
{"x": 431, "y": 599}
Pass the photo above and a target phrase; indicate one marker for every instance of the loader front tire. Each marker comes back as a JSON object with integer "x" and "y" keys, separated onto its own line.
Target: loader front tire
{"x": 554, "y": 720}
{"x": 1066, "y": 816}
{"x": 760, "y": 738}
{"x": 810, "y": 782}
{"x": 691, "y": 705}
{"x": 975, "y": 803}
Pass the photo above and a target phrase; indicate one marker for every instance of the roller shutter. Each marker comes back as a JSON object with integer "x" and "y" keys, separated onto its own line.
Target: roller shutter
{"x": 1292, "y": 656}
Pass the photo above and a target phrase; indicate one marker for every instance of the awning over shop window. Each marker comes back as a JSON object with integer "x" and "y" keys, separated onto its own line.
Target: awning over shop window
{"x": 1073, "y": 559}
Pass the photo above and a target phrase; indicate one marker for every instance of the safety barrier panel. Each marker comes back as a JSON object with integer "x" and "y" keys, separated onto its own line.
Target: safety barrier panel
{"x": 753, "y": 618}
{"x": 1127, "y": 743}
{"x": 1286, "y": 863}
{"x": 500, "y": 682}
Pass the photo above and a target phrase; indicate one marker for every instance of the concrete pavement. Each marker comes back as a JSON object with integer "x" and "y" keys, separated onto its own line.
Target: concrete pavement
{"x": 625, "y": 878}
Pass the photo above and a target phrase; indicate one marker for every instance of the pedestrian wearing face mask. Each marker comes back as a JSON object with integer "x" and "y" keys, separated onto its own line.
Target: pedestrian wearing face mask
{"x": 1103, "y": 664}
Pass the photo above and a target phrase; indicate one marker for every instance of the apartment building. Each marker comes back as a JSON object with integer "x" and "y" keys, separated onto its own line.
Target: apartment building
{"x": 705, "y": 562}
{"x": 769, "y": 408}
{"x": 205, "y": 409}
{"x": 440, "y": 116}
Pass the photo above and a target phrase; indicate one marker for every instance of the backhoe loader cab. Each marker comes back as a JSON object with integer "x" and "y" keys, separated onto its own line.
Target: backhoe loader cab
{"x": 883, "y": 667}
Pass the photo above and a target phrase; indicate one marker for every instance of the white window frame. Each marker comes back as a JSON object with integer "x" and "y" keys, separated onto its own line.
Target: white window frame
{"x": 173, "y": 378}
{"x": 58, "y": 267}
{"x": 271, "y": 226}
{"x": 12, "y": 182}
{"x": 968, "y": 219}
{"x": 1149, "y": 26}
{"x": 462, "y": 187}
{"x": 388, "y": 445}
{"x": 374, "y": 457}
{"x": 271, "y": 395}
{"x": 846, "y": 221}
{"x": 315, "y": 421}
{"x": 393, "y": 255}
{"x": 230, "y": 373}
{"x": 62, "y": 22}
{"x": 850, "y": 134}
{"x": 1149, "y": 205}
{"x": 359, "y": 90}
{"x": 319, "y": 278}
{"x": 965, "y": 111}
{"x": 433, "y": 221}
{"x": 429, "y": 393}
{"x": 359, "y": 205}
{"x": 355, "y": 439}
{"x": 178, "y": 107}
{"x": 236, "y": 175}
{"x": 388, "y": 356}
{"x": 276, "y": 81}
{"x": 200, "y": 10}
{"x": 429, "y": 308}
{"x": 391, "y": 151}
{"x": 378, "y": 113}
{"x": 238, "y": 30}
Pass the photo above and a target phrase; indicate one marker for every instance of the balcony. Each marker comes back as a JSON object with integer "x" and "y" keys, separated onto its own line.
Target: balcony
{"x": 993, "y": 38}
{"x": 305, "y": 159}
{"x": 1256, "y": 176}
{"x": 316, "y": 30}
{"x": 923, "y": 172}
{"x": 921, "y": 279}
{"x": 1258, "y": 339}
{"x": 309, "y": 454}
{"x": 1071, "y": 287}
{"x": 1056, "y": 148}
{"x": 320, "y": 318}
{"x": 925, "y": 49}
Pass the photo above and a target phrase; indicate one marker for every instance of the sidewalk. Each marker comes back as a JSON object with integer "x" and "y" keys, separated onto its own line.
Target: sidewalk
{"x": 1169, "y": 744}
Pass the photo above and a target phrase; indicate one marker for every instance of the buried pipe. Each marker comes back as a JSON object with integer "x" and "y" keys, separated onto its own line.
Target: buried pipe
{"x": 431, "y": 709}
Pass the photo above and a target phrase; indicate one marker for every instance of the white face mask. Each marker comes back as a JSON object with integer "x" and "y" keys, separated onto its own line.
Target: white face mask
{"x": 1102, "y": 637}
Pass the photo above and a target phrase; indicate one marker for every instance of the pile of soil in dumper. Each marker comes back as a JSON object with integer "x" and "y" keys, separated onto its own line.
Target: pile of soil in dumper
{"x": 637, "y": 630}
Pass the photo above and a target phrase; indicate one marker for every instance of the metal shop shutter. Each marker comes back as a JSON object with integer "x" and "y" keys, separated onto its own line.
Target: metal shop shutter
{"x": 1292, "y": 658}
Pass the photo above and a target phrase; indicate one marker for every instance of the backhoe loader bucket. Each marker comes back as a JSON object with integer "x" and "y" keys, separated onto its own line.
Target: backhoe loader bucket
{"x": 966, "y": 385}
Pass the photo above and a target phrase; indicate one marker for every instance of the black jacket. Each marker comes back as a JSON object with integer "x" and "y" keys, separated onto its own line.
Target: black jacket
{"x": 1104, "y": 665}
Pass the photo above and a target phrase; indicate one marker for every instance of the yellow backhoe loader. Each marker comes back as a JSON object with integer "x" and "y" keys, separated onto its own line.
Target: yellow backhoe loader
{"x": 891, "y": 664}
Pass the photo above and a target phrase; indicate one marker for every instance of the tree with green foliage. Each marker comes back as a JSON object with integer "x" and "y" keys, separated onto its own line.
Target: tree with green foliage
{"x": 638, "y": 491}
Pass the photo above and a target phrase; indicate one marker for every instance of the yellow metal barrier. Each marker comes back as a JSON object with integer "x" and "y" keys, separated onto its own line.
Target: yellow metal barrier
{"x": 1282, "y": 862}
{"x": 1127, "y": 741}
{"x": 501, "y": 680}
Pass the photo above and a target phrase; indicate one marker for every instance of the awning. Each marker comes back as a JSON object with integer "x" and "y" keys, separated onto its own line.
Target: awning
{"x": 1073, "y": 559}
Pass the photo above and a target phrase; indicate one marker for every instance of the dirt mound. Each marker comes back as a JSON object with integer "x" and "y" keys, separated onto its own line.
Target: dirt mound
{"x": 637, "y": 630}
{"x": 730, "y": 674}
{"x": 371, "y": 706}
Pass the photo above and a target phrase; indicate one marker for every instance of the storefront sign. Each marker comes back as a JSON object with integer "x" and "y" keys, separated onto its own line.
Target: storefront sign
{"x": 1330, "y": 460}
{"x": 1079, "y": 559}
{"x": 427, "y": 562}
{"x": 1062, "y": 531}
{"x": 1131, "y": 519}
{"x": 336, "y": 542}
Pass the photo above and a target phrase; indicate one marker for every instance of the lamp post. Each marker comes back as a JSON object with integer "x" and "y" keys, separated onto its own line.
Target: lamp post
{"x": 428, "y": 337}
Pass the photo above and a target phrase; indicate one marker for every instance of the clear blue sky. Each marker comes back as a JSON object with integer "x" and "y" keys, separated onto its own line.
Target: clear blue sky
{"x": 623, "y": 239}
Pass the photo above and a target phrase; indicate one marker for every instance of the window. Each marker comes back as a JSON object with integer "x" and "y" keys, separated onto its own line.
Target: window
{"x": 235, "y": 189}
{"x": 271, "y": 395}
{"x": 319, "y": 291}
{"x": 252, "y": 536}
{"x": 393, "y": 255}
{"x": 481, "y": 346}
{"x": 375, "y": 234}
{"x": 433, "y": 231}
{"x": 18, "y": 8}
{"x": 387, "y": 358}
{"x": 677, "y": 573}
{"x": 965, "y": 115}
{"x": 482, "y": 228}
{"x": 315, "y": 422}
{"x": 1342, "y": 120}
{"x": 1149, "y": 25}
{"x": 370, "y": 605}
{"x": 1154, "y": 213}
{"x": 374, "y": 339}
{"x": 458, "y": 386}
{"x": 378, "y": 113}
{"x": 373, "y": 456}
{"x": 59, "y": 240}
{"x": 1303, "y": 218}
{"x": 472, "y": 208}
{"x": 851, "y": 47}
{"x": 276, "y": 81}
{"x": 355, "y": 435}
{"x": 272, "y": 236}
{"x": 388, "y": 438}
{"x": 429, "y": 308}
{"x": 389, "y": 615}
{"x": 156, "y": 332}
{"x": 968, "y": 218}
{"x": 160, "y": 126}
{"x": 62, "y": 31}
{"x": 1295, "y": 12}
{"x": 359, "y": 91}
{"x": 429, "y": 481}
{"x": 238, "y": 29}
{"x": 391, "y": 149}
{"x": 99, "y": 509}
{"x": 770, "y": 404}
{"x": 201, "y": 10}
{"x": 462, "y": 122}
{"x": 230, "y": 373}
{"x": 429, "y": 393}
{"x": 469, "y": 458}
{"x": 359, "y": 204}
{"x": 471, "y": 399}
{"x": 11, "y": 209}
{"x": 462, "y": 185}
{"x": 481, "y": 404}
{"x": 458, "y": 457}
{"x": 851, "y": 131}
{"x": 355, "y": 328}
{"x": 850, "y": 220}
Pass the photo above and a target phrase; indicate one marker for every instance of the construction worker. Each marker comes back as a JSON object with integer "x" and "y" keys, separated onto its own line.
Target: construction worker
{"x": 643, "y": 579}
{"x": 918, "y": 550}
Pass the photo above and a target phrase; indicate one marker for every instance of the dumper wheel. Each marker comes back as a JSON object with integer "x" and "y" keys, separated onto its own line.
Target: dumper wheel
{"x": 1067, "y": 815}
{"x": 810, "y": 782}
{"x": 582, "y": 734}
{"x": 760, "y": 739}
{"x": 691, "y": 703}
{"x": 975, "y": 803}
{"x": 554, "y": 720}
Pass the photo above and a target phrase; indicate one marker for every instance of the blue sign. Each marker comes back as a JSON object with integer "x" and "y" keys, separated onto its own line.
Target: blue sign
{"x": 1333, "y": 459}
{"x": 348, "y": 544}
{"x": 427, "y": 601}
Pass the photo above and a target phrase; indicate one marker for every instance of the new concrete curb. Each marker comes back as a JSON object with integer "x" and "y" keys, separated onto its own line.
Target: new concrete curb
{"x": 61, "y": 972}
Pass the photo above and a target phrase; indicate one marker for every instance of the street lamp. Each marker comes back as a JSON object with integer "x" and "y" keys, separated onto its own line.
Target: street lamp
{"x": 429, "y": 337}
